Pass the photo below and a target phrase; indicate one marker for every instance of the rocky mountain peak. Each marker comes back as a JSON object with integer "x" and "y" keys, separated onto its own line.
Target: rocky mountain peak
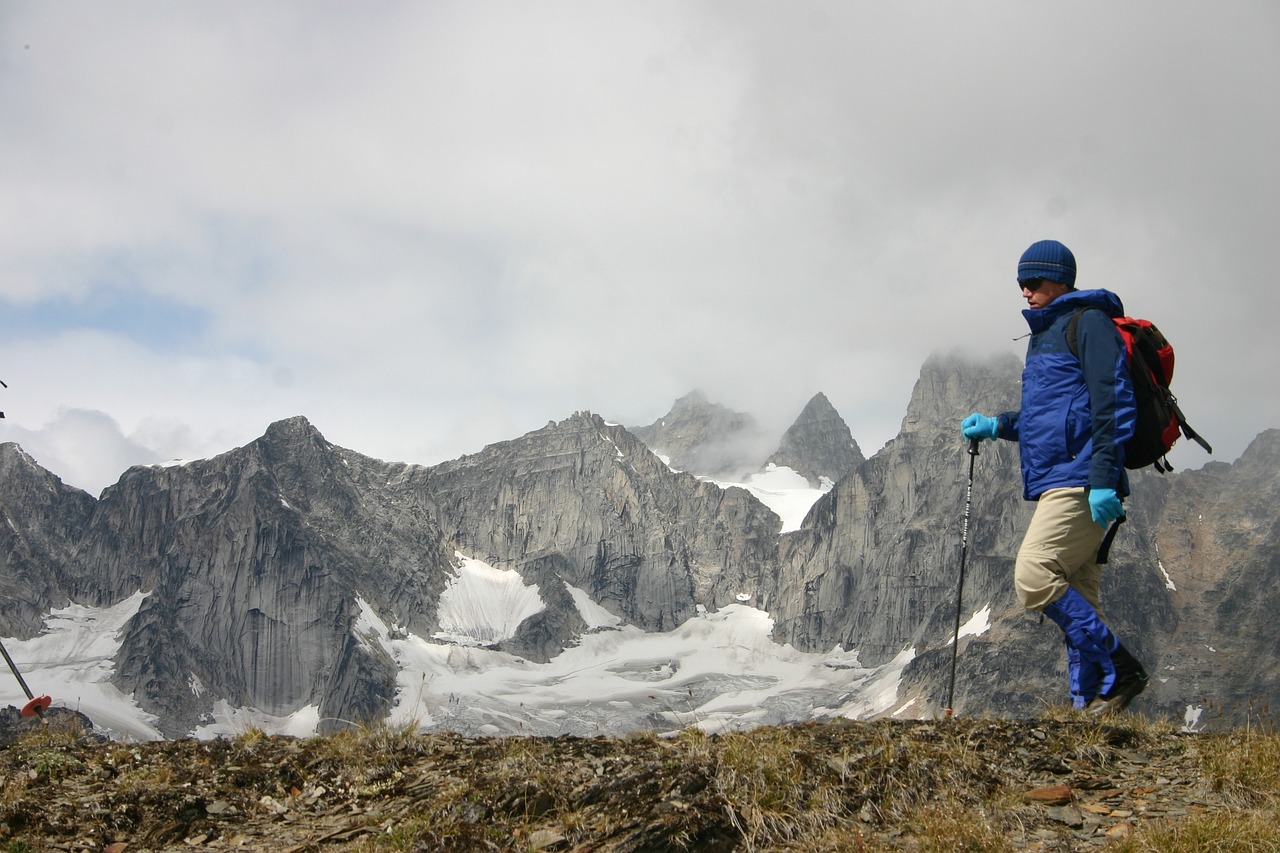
{"x": 11, "y": 452}
{"x": 819, "y": 444}
{"x": 1263, "y": 452}
{"x": 708, "y": 438}
{"x": 17, "y": 463}
{"x": 693, "y": 401}
{"x": 951, "y": 386}
{"x": 293, "y": 436}
{"x": 296, "y": 428}
{"x": 584, "y": 503}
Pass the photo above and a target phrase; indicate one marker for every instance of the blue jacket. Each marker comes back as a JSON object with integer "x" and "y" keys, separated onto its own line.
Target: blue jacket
{"x": 1076, "y": 413}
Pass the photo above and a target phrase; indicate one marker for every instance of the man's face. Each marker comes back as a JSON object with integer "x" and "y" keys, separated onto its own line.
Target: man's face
{"x": 1039, "y": 292}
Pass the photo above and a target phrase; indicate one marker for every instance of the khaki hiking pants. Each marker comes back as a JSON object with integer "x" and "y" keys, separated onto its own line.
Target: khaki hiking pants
{"x": 1059, "y": 550}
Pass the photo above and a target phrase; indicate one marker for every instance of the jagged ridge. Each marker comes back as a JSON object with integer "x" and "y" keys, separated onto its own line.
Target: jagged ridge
{"x": 256, "y": 562}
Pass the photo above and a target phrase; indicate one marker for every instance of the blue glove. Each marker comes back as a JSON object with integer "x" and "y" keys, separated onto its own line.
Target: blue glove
{"x": 979, "y": 426}
{"x": 1105, "y": 506}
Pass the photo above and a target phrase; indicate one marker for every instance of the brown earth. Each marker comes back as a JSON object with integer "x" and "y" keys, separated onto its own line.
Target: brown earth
{"x": 976, "y": 784}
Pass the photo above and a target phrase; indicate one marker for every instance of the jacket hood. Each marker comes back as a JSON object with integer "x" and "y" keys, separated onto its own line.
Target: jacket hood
{"x": 1040, "y": 319}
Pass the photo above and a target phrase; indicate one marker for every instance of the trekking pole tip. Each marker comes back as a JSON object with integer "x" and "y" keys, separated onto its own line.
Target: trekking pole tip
{"x": 36, "y": 707}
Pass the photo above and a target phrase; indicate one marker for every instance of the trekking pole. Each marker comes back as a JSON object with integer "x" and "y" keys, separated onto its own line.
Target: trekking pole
{"x": 964, "y": 553}
{"x": 36, "y": 705}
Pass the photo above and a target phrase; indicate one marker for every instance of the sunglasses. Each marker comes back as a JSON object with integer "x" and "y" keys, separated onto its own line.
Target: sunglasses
{"x": 1032, "y": 284}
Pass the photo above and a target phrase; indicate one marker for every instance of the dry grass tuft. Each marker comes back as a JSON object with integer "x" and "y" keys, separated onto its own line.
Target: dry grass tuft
{"x": 1245, "y": 765}
{"x": 1228, "y": 832}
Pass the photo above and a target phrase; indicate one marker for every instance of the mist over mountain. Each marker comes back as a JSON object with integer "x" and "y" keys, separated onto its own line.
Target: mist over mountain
{"x": 590, "y": 577}
{"x": 707, "y": 438}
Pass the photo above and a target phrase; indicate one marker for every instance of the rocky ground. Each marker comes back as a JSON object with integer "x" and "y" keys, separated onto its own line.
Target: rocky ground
{"x": 972, "y": 784}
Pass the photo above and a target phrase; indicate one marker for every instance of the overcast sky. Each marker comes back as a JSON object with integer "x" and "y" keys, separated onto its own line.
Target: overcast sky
{"x": 432, "y": 226}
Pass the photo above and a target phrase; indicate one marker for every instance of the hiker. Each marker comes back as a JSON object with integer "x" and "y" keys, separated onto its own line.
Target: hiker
{"x": 1076, "y": 414}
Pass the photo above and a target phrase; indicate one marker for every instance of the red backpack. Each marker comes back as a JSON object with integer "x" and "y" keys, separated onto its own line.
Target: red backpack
{"x": 1160, "y": 421}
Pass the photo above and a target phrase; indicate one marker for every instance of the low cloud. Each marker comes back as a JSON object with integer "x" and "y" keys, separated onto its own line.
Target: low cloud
{"x": 427, "y": 227}
{"x": 86, "y": 448}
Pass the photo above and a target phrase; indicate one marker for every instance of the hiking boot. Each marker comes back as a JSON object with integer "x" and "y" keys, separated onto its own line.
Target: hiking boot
{"x": 1131, "y": 679}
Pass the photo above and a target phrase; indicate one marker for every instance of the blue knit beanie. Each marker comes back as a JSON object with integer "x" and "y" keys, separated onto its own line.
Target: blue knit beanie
{"x": 1048, "y": 259}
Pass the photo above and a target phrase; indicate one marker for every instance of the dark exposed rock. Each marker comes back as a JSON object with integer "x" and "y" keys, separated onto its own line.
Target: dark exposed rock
{"x": 43, "y": 520}
{"x": 14, "y": 726}
{"x": 1214, "y": 539}
{"x": 819, "y": 444}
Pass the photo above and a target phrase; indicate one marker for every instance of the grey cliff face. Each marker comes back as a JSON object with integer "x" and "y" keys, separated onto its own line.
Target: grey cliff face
{"x": 819, "y": 444}
{"x": 588, "y": 503}
{"x": 253, "y": 562}
{"x": 43, "y": 519}
{"x": 1216, "y": 544}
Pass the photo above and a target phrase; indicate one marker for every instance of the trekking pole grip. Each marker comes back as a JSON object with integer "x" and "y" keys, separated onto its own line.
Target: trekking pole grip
{"x": 973, "y": 447}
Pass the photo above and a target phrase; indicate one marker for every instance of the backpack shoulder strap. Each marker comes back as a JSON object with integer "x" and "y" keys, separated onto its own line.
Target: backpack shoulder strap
{"x": 1073, "y": 330}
